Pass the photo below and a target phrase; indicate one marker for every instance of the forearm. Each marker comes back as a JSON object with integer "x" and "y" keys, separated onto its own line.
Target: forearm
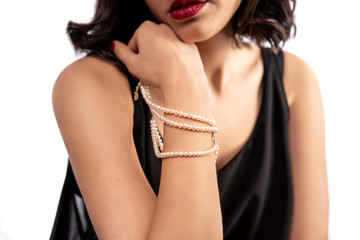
{"x": 188, "y": 205}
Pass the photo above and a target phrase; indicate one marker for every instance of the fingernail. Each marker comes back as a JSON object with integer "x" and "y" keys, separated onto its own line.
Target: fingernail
{"x": 135, "y": 78}
{"x": 112, "y": 46}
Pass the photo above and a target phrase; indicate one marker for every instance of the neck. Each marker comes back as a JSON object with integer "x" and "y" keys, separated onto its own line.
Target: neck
{"x": 218, "y": 55}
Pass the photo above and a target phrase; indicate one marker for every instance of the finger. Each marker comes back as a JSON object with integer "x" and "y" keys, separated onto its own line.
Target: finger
{"x": 133, "y": 44}
{"x": 123, "y": 52}
{"x": 144, "y": 27}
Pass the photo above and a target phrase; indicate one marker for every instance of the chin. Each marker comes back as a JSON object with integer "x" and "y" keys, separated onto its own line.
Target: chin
{"x": 194, "y": 35}
{"x": 192, "y": 38}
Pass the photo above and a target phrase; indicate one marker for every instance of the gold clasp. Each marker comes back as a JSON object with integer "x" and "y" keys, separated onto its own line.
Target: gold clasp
{"x": 136, "y": 92}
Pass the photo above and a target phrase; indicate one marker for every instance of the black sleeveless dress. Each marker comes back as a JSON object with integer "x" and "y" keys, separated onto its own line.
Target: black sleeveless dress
{"x": 255, "y": 187}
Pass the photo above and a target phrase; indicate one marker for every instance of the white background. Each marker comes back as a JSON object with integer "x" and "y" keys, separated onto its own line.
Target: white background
{"x": 34, "y": 49}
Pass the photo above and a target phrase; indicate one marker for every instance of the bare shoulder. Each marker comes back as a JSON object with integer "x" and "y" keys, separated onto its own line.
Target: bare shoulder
{"x": 91, "y": 70}
{"x": 90, "y": 80}
{"x": 299, "y": 78}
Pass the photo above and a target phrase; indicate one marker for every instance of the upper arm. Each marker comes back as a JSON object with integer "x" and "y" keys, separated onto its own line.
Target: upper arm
{"x": 307, "y": 149}
{"x": 93, "y": 107}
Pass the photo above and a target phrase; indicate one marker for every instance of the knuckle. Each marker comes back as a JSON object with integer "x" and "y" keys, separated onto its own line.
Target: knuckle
{"x": 163, "y": 25}
{"x": 146, "y": 24}
{"x": 144, "y": 28}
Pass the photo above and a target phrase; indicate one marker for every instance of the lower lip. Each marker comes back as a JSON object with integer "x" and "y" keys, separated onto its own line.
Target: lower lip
{"x": 188, "y": 12}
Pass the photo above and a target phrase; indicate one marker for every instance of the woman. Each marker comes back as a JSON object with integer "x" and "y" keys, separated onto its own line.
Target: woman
{"x": 269, "y": 177}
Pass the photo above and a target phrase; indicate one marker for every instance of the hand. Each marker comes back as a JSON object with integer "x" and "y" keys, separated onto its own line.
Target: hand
{"x": 159, "y": 58}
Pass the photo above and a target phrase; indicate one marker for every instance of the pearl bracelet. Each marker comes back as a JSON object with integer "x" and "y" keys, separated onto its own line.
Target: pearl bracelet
{"x": 155, "y": 134}
{"x": 183, "y": 125}
{"x": 146, "y": 95}
{"x": 157, "y": 144}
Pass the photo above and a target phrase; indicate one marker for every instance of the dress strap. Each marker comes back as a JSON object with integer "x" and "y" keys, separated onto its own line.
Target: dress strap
{"x": 274, "y": 61}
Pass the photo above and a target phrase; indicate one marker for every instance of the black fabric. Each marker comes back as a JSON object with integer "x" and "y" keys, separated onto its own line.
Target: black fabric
{"x": 255, "y": 187}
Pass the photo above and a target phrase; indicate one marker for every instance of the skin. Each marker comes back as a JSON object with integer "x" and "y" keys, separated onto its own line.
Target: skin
{"x": 93, "y": 106}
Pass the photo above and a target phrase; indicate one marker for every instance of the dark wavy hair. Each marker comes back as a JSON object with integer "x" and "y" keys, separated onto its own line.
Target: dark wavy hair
{"x": 262, "y": 21}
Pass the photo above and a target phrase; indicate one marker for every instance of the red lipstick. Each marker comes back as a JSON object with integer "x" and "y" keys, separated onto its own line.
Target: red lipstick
{"x": 183, "y": 9}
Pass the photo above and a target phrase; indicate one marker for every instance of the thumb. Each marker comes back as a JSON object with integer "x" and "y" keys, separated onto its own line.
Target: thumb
{"x": 122, "y": 52}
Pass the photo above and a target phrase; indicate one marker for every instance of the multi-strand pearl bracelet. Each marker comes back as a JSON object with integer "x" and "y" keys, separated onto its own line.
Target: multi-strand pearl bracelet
{"x": 155, "y": 134}
{"x": 145, "y": 92}
{"x": 185, "y": 126}
{"x": 158, "y": 146}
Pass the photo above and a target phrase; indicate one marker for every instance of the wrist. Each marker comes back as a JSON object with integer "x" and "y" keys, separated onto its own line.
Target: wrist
{"x": 191, "y": 95}
{"x": 204, "y": 125}
{"x": 184, "y": 80}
